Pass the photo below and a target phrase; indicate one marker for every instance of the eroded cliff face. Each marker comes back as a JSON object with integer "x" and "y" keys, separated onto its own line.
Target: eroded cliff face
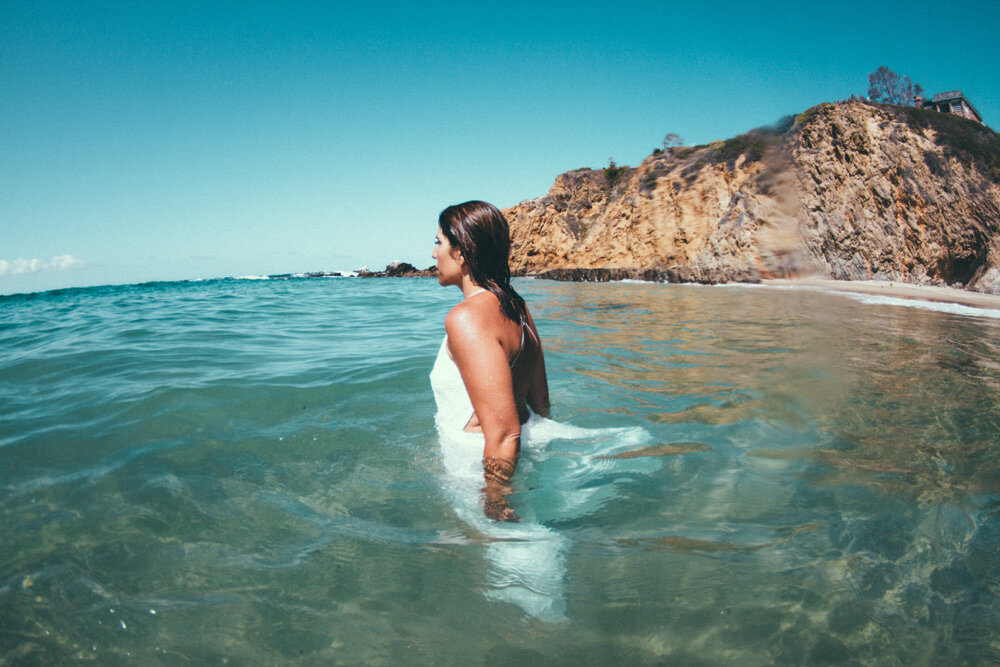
{"x": 848, "y": 191}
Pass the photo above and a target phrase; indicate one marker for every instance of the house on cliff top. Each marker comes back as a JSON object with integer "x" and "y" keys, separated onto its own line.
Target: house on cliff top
{"x": 951, "y": 102}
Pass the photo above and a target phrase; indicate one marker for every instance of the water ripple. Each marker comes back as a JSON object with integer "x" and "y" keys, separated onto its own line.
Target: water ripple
{"x": 255, "y": 461}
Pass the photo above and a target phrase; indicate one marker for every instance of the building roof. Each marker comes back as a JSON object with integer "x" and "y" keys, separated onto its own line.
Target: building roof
{"x": 952, "y": 95}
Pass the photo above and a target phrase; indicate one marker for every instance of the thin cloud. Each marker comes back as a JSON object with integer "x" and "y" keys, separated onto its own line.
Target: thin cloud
{"x": 57, "y": 263}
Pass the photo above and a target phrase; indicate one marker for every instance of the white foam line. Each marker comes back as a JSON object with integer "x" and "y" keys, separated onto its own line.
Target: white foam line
{"x": 884, "y": 300}
{"x": 939, "y": 306}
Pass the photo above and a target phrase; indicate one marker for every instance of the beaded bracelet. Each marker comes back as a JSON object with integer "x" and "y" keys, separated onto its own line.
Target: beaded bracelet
{"x": 497, "y": 469}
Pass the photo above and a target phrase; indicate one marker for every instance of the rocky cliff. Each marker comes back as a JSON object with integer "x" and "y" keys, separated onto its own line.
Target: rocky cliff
{"x": 849, "y": 191}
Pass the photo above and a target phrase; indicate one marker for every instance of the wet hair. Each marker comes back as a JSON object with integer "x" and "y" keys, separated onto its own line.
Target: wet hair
{"x": 480, "y": 232}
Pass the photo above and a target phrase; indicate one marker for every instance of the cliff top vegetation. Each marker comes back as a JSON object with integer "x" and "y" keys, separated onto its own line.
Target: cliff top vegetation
{"x": 969, "y": 142}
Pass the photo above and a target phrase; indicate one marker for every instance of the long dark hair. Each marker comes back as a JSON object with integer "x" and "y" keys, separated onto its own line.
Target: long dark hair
{"x": 480, "y": 232}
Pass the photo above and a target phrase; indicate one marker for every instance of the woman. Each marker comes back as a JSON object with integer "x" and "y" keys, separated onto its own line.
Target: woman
{"x": 490, "y": 368}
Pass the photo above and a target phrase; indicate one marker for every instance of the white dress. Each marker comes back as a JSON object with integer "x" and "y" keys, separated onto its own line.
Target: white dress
{"x": 528, "y": 558}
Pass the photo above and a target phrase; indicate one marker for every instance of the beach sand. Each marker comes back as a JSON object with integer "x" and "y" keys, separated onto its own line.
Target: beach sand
{"x": 895, "y": 289}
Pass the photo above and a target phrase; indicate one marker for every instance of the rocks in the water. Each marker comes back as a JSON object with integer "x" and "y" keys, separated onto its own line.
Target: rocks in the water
{"x": 400, "y": 270}
{"x": 392, "y": 270}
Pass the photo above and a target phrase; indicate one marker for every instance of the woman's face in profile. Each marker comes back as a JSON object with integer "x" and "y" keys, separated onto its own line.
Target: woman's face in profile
{"x": 449, "y": 260}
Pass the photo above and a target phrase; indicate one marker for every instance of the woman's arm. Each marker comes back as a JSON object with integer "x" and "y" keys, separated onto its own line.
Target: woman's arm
{"x": 474, "y": 343}
{"x": 538, "y": 391}
{"x": 482, "y": 362}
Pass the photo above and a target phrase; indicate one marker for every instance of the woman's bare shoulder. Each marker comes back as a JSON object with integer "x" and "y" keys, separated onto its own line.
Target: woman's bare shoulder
{"x": 472, "y": 317}
{"x": 483, "y": 308}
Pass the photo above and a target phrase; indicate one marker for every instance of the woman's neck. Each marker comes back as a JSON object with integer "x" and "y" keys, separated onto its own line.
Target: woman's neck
{"x": 469, "y": 287}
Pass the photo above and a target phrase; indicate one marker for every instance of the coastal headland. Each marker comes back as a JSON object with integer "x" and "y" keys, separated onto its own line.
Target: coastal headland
{"x": 850, "y": 191}
{"x": 851, "y": 196}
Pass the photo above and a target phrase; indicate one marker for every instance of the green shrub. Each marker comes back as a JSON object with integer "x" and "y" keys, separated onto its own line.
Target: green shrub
{"x": 681, "y": 152}
{"x": 613, "y": 172}
{"x": 969, "y": 142}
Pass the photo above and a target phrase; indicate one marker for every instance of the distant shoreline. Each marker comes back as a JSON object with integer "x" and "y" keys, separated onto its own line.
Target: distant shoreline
{"x": 871, "y": 287}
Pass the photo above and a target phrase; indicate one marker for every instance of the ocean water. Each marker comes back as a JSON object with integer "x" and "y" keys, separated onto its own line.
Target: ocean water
{"x": 248, "y": 472}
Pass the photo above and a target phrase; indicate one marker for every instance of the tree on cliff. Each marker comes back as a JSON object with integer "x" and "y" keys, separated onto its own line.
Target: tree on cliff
{"x": 672, "y": 140}
{"x": 613, "y": 172}
{"x": 887, "y": 87}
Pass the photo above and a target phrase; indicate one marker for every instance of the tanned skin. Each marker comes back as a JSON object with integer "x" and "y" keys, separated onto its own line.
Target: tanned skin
{"x": 483, "y": 343}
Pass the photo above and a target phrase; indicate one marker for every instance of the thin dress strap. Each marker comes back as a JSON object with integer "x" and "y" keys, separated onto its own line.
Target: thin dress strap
{"x": 524, "y": 325}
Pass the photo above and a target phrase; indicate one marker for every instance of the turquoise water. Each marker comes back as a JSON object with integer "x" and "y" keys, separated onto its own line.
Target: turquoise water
{"x": 248, "y": 472}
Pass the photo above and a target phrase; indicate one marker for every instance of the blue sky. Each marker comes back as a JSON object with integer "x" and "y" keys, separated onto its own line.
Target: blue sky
{"x": 173, "y": 140}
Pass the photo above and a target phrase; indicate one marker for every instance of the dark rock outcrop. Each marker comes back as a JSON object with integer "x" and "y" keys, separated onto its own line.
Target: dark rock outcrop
{"x": 400, "y": 270}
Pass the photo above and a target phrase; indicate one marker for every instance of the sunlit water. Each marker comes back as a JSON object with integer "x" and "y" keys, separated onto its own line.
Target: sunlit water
{"x": 248, "y": 472}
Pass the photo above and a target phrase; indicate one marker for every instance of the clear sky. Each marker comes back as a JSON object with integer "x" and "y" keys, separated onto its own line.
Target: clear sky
{"x": 169, "y": 140}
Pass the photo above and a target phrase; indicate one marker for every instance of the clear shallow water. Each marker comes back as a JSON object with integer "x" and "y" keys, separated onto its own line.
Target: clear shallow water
{"x": 248, "y": 471}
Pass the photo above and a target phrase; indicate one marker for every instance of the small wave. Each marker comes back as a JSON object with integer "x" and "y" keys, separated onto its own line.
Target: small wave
{"x": 939, "y": 306}
{"x": 89, "y": 474}
{"x": 251, "y": 277}
{"x": 949, "y": 307}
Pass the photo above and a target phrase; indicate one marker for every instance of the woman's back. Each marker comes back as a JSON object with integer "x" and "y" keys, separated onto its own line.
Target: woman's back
{"x": 479, "y": 317}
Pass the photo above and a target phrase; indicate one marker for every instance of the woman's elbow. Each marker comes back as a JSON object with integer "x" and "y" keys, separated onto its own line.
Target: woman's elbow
{"x": 503, "y": 443}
